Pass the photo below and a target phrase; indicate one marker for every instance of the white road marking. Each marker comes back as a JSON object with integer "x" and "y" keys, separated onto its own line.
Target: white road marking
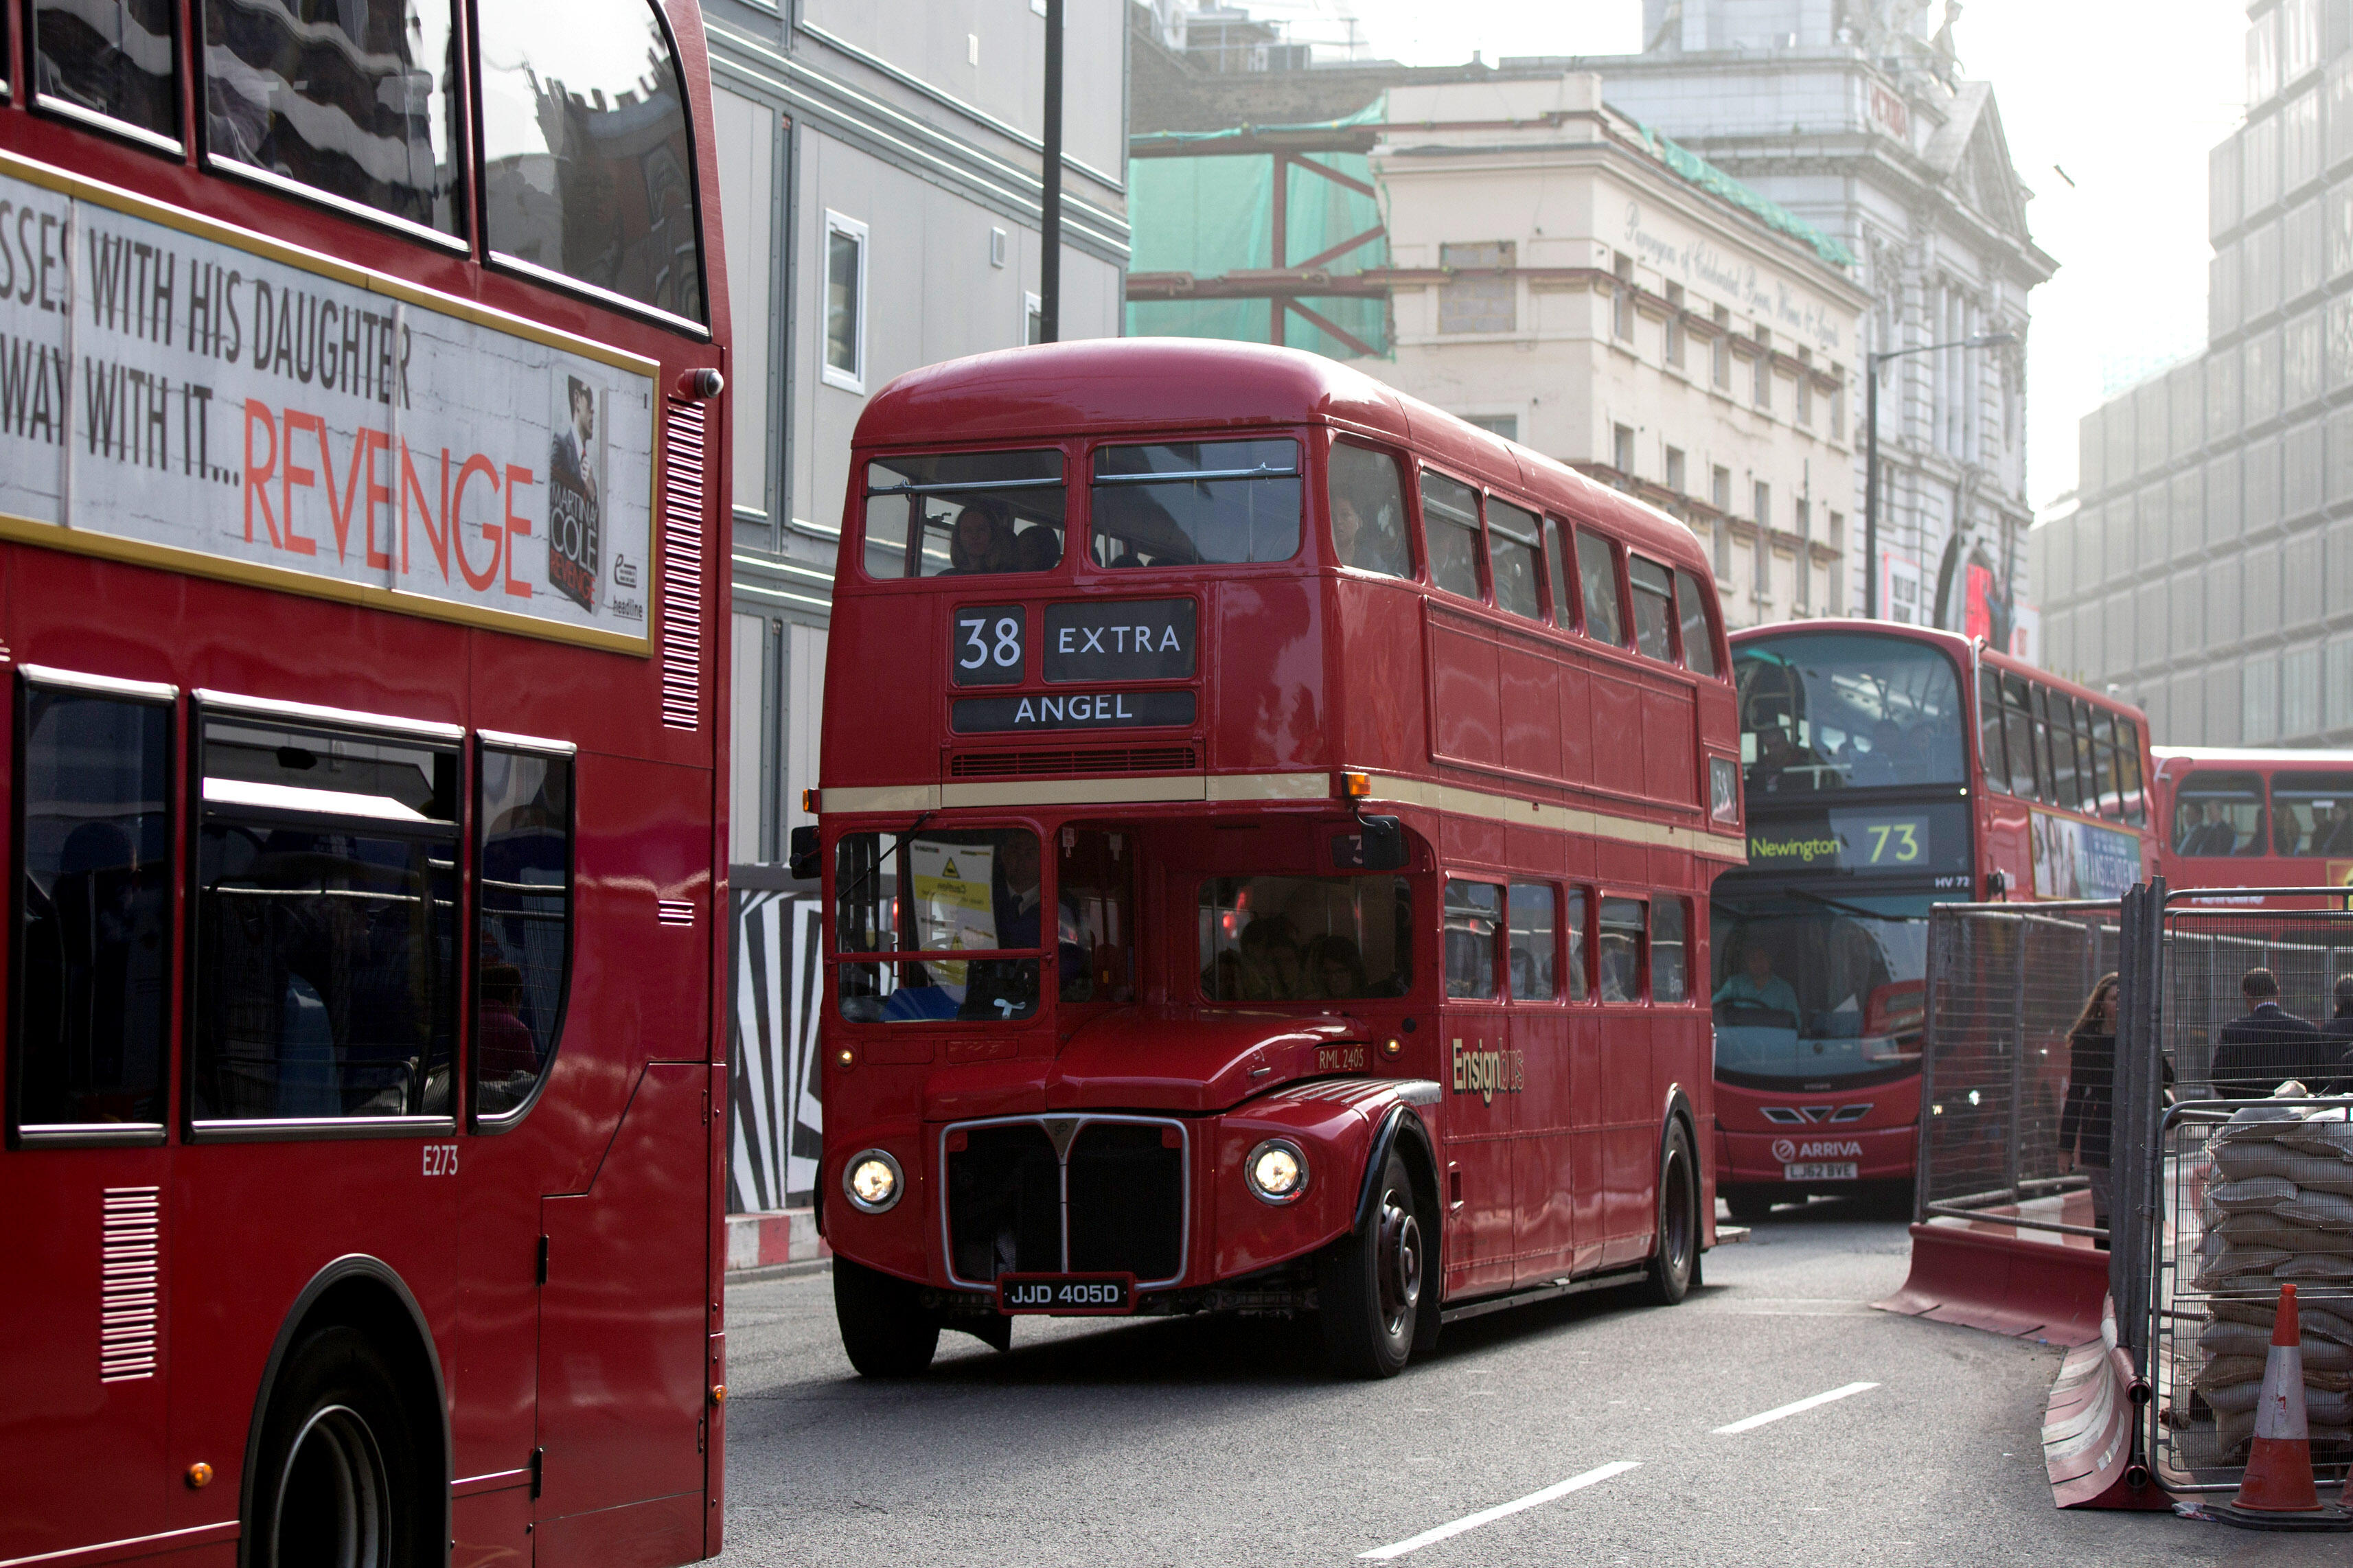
{"x": 1487, "y": 1516}
{"x": 1792, "y": 1408}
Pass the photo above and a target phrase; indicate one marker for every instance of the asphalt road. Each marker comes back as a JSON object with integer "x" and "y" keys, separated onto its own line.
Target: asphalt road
{"x": 1224, "y": 1441}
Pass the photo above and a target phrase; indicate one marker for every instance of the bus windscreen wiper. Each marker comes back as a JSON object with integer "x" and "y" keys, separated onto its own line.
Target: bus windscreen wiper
{"x": 1847, "y": 909}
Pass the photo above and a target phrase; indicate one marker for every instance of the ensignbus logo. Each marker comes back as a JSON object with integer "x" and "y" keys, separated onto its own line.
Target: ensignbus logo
{"x": 1806, "y": 849}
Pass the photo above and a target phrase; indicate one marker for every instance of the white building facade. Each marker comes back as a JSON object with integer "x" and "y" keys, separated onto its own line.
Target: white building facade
{"x": 1561, "y": 283}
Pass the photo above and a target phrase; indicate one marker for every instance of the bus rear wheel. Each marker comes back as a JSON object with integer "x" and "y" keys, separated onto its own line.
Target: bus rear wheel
{"x": 1372, "y": 1286}
{"x": 1675, "y": 1264}
{"x": 885, "y": 1325}
{"x": 339, "y": 1484}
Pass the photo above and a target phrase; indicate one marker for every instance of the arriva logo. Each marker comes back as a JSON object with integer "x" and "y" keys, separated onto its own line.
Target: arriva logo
{"x": 1825, "y": 1150}
{"x": 1488, "y": 1073}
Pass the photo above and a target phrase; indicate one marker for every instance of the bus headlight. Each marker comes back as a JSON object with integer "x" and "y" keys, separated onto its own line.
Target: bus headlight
{"x": 1276, "y": 1172}
{"x": 871, "y": 1182}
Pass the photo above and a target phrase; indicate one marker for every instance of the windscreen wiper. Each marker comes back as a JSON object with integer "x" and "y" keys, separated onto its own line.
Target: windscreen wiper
{"x": 1847, "y": 909}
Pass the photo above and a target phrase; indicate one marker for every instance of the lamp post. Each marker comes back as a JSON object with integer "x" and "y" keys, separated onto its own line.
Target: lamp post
{"x": 1871, "y": 452}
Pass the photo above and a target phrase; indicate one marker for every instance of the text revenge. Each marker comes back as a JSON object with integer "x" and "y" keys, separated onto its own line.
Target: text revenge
{"x": 171, "y": 389}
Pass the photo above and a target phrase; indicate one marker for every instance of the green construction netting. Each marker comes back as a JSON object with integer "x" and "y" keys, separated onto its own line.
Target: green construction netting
{"x": 1210, "y": 212}
{"x": 1697, "y": 170}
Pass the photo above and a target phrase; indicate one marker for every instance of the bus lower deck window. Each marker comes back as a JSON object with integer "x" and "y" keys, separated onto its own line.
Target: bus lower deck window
{"x": 1622, "y": 930}
{"x": 523, "y": 936}
{"x": 1531, "y": 910}
{"x": 1195, "y": 503}
{"x": 1667, "y": 981}
{"x": 1304, "y": 939}
{"x": 1473, "y": 911}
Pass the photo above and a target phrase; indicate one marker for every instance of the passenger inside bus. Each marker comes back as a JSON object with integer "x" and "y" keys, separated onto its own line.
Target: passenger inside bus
{"x": 1305, "y": 938}
{"x": 2311, "y": 813}
{"x": 2218, "y": 814}
{"x": 1368, "y": 513}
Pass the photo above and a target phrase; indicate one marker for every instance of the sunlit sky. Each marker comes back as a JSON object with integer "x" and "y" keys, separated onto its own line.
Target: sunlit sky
{"x": 2126, "y": 97}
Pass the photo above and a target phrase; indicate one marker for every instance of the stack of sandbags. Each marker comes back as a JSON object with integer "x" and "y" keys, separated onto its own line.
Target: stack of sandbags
{"x": 2278, "y": 1202}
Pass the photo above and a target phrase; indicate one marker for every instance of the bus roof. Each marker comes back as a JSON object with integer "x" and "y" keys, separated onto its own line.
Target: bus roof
{"x": 1957, "y": 644}
{"x": 2254, "y": 756}
{"x": 1102, "y": 385}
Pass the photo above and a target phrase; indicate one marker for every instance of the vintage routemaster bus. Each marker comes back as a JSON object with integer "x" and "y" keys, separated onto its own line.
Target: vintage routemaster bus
{"x": 2231, "y": 818}
{"x": 1266, "y": 827}
{"x": 363, "y": 508}
{"x": 1887, "y": 769}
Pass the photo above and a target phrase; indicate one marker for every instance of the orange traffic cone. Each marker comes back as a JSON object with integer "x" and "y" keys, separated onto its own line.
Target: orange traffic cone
{"x": 2278, "y": 1490}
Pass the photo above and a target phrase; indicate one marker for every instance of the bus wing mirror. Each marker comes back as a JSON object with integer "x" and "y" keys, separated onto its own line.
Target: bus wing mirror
{"x": 1383, "y": 842}
{"x": 802, "y": 859}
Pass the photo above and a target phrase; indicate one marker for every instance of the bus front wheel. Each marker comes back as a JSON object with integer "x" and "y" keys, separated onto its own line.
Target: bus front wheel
{"x": 884, "y": 1326}
{"x": 1373, "y": 1286}
{"x": 339, "y": 1485}
{"x": 1675, "y": 1263}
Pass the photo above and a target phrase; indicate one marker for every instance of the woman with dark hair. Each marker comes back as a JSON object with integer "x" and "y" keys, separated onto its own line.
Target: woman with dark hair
{"x": 2091, "y": 1093}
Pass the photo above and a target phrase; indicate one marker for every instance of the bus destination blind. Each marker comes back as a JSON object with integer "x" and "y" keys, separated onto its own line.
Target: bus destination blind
{"x": 1921, "y": 839}
{"x": 1073, "y": 710}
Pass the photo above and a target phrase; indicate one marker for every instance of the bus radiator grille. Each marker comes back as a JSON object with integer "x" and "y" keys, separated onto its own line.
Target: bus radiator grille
{"x": 1127, "y": 1201}
{"x": 1005, "y": 1204}
{"x": 1095, "y": 760}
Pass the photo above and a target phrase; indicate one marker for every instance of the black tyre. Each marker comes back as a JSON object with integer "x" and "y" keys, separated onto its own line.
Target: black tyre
{"x": 340, "y": 1483}
{"x": 1674, "y": 1263}
{"x": 1375, "y": 1286}
{"x": 883, "y": 1325}
{"x": 1749, "y": 1205}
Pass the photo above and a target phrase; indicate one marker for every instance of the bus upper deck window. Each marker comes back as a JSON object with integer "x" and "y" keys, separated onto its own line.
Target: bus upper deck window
{"x": 523, "y": 961}
{"x": 2128, "y": 771}
{"x": 93, "y": 846}
{"x": 1991, "y": 764}
{"x": 1699, "y": 638}
{"x": 1598, "y": 574}
{"x": 1564, "y": 583}
{"x": 963, "y": 515}
{"x": 2018, "y": 722}
{"x": 1517, "y": 558}
{"x": 358, "y": 101}
{"x": 1368, "y": 527}
{"x": 1654, "y": 608}
{"x": 587, "y": 162}
{"x": 1197, "y": 503}
{"x": 112, "y": 61}
{"x": 1449, "y": 522}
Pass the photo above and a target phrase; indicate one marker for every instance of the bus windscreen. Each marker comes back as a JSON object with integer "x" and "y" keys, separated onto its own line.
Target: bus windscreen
{"x": 1837, "y": 711}
{"x": 1807, "y": 987}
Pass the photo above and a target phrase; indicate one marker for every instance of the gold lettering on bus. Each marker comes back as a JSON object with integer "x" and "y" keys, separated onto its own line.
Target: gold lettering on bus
{"x": 1487, "y": 1073}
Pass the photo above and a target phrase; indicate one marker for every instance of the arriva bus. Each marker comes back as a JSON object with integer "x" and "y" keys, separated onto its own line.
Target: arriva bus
{"x": 2233, "y": 819}
{"x": 1266, "y": 827}
{"x": 1887, "y": 769}
{"x": 363, "y": 508}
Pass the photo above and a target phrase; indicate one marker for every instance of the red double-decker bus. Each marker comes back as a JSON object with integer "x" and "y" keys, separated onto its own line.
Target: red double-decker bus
{"x": 1266, "y": 827}
{"x": 2233, "y": 820}
{"x": 363, "y": 509}
{"x": 1888, "y": 769}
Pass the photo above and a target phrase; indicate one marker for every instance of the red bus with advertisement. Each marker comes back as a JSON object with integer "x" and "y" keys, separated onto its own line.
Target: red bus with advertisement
{"x": 1266, "y": 832}
{"x": 363, "y": 519}
{"x": 2238, "y": 818}
{"x": 1887, "y": 769}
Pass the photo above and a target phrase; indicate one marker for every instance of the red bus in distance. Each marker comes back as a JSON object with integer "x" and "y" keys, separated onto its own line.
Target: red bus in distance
{"x": 1266, "y": 828}
{"x": 2233, "y": 817}
{"x": 1888, "y": 769}
{"x": 362, "y": 512}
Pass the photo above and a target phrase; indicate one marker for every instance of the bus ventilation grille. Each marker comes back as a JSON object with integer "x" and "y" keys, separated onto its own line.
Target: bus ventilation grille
{"x": 130, "y": 1270}
{"x": 683, "y": 461}
{"x": 1101, "y": 759}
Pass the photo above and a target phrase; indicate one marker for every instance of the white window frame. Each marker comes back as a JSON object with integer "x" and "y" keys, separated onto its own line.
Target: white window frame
{"x": 832, "y": 375}
{"x": 1032, "y": 305}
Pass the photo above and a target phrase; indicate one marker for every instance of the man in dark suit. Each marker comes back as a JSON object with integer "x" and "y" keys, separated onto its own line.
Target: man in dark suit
{"x": 2269, "y": 1046}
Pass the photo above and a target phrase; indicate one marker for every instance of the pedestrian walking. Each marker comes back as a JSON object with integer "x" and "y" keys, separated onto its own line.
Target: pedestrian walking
{"x": 2339, "y": 1032}
{"x": 2268, "y": 1045}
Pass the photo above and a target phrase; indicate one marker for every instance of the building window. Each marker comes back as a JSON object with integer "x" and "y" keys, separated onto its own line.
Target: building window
{"x": 1837, "y": 411}
{"x": 1033, "y": 320}
{"x": 2300, "y": 694}
{"x": 1723, "y": 551}
{"x": 1675, "y": 469}
{"x": 1805, "y": 395}
{"x": 1801, "y": 582}
{"x": 1674, "y": 335}
{"x": 845, "y": 303}
{"x": 1838, "y": 567}
{"x": 2259, "y": 721}
{"x": 1719, "y": 490}
{"x": 1761, "y": 393}
{"x": 1761, "y": 581}
{"x": 2337, "y": 687}
{"x": 1621, "y": 448}
{"x": 1720, "y": 350}
{"x": 1479, "y": 304}
{"x": 1621, "y": 302}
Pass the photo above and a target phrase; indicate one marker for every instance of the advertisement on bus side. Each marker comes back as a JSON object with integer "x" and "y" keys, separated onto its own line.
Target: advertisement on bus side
{"x": 187, "y": 395}
{"x": 2077, "y": 860}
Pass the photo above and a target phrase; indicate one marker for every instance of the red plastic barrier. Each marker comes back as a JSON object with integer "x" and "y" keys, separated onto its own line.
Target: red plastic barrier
{"x": 1990, "y": 1278}
{"x": 2087, "y": 1431}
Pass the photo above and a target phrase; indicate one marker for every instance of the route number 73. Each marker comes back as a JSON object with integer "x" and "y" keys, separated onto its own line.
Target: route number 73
{"x": 1903, "y": 837}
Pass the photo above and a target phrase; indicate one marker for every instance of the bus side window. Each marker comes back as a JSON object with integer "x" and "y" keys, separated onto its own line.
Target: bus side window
{"x": 1698, "y": 634}
{"x": 1597, "y": 572}
{"x": 2128, "y": 772}
{"x": 2104, "y": 745}
{"x": 1654, "y": 608}
{"x": 2025, "y": 780}
{"x": 1517, "y": 558}
{"x": 1667, "y": 981}
{"x": 112, "y": 62}
{"x": 1623, "y": 925}
{"x": 2057, "y": 746}
{"x": 1368, "y": 527}
{"x": 1579, "y": 957}
{"x": 358, "y": 101}
{"x": 326, "y": 978}
{"x": 1533, "y": 924}
{"x": 1450, "y": 520}
{"x": 523, "y": 941}
{"x": 1473, "y": 911}
{"x": 587, "y": 161}
{"x": 2087, "y": 776}
{"x": 1564, "y": 582}
{"x": 1991, "y": 764}
{"x": 93, "y": 847}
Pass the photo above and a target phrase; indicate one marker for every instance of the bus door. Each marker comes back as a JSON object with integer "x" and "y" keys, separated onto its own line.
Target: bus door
{"x": 1544, "y": 1157}
{"x": 1629, "y": 1132}
{"x": 87, "y": 1170}
{"x": 1485, "y": 1081}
